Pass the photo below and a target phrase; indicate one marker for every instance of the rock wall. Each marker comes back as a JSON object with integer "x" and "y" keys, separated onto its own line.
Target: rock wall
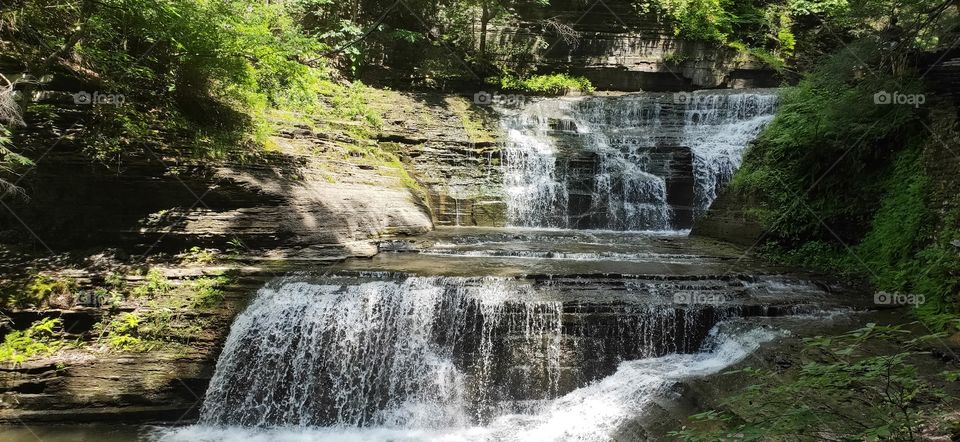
{"x": 619, "y": 49}
{"x": 451, "y": 147}
{"x": 318, "y": 192}
{"x": 729, "y": 219}
{"x": 93, "y": 383}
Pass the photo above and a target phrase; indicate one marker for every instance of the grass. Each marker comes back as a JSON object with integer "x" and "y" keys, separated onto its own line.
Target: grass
{"x": 37, "y": 291}
{"x": 472, "y": 123}
{"x": 550, "y": 84}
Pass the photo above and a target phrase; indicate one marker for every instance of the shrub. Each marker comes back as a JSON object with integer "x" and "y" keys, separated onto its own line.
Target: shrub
{"x": 41, "y": 338}
{"x": 123, "y": 332}
{"x": 552, "y": 84}
{"x": 155, "y": 283}
{"x": 206, "y": 291}
{"x": 842, "y": 387}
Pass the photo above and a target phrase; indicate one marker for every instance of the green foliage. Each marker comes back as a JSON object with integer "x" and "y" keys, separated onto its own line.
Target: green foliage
{"x": 198, "y": 255}
{"x": 37, "y": 291}
{"x": 42, "y": 287}
{"x": 843, "y": 186}
{"x": 828, "y": 134}
{"x": 109, "y": 298}
{"x": 206, "y": 291}
{"x": 699, "y": 19}
{"x": 203, "y": 72}
{"x": 154, "y": 283}
{"x": 41, "y": 338}
{"x": 844, "y": 387}
{"x": 351, "y": 104}
{"x": 552, "y": 84}
{"x": 775, "y": 30}
{"x": 123, "y": 332}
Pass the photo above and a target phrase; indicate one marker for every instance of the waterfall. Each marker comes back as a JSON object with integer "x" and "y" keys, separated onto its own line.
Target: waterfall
{"x": 425, "y": 352}
{"x": 717, "y": 128}
{"x": 633, "y": 162}
{"x": 577, "y": 347}
{"x": 434, "y": 408}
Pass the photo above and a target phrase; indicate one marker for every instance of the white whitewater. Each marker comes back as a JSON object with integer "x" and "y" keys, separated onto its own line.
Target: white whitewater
{"x": 372, "y": 357}
{"x": 621, "y": 138}
{"x": 376, "y": 353}
{"x": 385, "y": 361}
{"x": 718, "y": 128}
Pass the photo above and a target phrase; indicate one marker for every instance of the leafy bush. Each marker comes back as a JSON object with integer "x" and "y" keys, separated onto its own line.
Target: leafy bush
{"x": 553, "y": 84}
{"x": 843, "y": 187}
{"x": 123, "y": 332}
{"x": 41, "y": 338}
{"x": 203, "y": 71}
{"x": 843, "y": 387}
{"x": 206, "y": 291}
{"x": 154, "y": 283}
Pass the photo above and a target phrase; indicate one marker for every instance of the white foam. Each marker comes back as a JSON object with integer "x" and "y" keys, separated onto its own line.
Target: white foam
{"x": 623, "y": 134}
{"x": 590, "y": 413}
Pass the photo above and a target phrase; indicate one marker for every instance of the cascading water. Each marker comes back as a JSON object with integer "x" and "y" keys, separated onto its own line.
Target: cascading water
{"x": 580, "y": 335}
{"x": 423, "y": 352}
{"x": 634, "y": 162}
{"x": 418, "y": 352}
{"x": 717, "y": 129}
{"x": 451, "y": 358}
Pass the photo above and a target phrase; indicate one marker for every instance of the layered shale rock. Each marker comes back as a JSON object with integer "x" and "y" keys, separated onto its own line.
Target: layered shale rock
{"x": 619, "y": 49}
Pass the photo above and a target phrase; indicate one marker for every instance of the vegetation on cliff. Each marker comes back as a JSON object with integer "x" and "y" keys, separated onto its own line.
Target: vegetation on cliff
{"x": 843, "y": 174}
{"x": 857, "y": 175}
{"x": 869, "y": 384}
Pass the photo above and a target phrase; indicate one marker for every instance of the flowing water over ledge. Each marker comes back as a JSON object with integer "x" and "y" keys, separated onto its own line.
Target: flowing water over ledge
{"x": 634, "y": 162}
{"x": 543, "y": 333}
{"x": 519, "y": 333}
{"x": 499, "y": 346}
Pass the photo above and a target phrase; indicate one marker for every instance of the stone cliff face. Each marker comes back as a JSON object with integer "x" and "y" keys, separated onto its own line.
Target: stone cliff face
{"x": 88, "y": 381}
{"x": 452, "y": 148}
{"x": 617, "y": 49}
{"x": 319, "y": 194}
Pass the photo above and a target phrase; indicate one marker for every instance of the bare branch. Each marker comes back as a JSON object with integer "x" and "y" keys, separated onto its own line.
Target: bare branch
{"x": 566, "y": 33}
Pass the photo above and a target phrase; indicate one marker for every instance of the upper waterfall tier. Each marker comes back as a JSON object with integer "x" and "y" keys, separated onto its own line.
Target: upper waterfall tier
{"x": 631, "y": 162}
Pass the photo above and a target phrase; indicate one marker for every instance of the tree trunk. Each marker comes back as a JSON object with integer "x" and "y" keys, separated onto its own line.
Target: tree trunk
{"x": 484, "y": 20}
{"x": 38, "y": 71}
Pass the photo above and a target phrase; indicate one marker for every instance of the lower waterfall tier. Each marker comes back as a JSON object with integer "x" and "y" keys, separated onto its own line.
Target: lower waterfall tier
{"x": 443, "y": 352}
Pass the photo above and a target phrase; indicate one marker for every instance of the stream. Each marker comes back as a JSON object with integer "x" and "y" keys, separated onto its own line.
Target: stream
{"x": 571, "y": 324}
